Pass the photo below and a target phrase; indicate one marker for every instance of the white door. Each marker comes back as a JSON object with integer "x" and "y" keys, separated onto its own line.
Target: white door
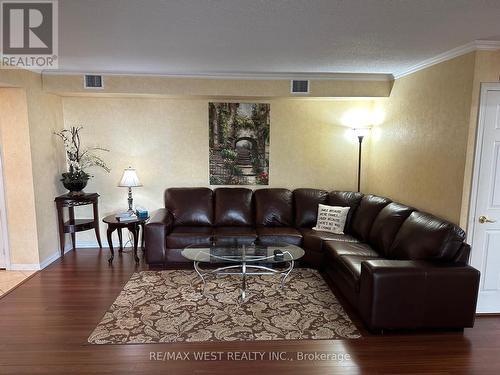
{"x": 485, "y": 216}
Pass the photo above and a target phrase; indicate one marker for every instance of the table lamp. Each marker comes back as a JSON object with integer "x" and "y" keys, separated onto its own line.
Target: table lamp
{"x": 130, "y": 180}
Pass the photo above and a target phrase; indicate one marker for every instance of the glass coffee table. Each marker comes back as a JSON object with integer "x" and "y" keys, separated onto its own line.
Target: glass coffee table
{"x": 243, "y": 260}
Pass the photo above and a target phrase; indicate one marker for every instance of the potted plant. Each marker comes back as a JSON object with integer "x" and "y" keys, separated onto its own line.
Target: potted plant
{"x": 78, "y": 160}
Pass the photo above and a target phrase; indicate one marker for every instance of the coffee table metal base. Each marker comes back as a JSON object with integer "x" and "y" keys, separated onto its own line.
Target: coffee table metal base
{"x": 242, "y": 269}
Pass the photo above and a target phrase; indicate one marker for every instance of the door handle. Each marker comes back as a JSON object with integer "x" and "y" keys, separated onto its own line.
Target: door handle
{"x": 483, "y": 219}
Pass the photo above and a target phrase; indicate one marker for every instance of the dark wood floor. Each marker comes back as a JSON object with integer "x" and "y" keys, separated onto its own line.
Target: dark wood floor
{"x": 45, "y": 322}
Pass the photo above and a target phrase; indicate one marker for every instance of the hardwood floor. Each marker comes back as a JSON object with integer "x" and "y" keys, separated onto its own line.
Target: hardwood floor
{"x": 45, "y": 322}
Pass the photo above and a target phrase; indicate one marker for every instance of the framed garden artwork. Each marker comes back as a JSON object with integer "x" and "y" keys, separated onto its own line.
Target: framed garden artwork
{"x": 239, "y": 143}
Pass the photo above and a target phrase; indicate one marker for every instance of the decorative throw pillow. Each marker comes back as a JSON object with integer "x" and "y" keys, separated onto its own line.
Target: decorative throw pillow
{"x": 331, "y": 218}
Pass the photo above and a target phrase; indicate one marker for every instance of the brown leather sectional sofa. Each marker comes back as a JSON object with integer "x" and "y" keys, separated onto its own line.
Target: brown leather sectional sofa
{"x": 400, "y": 268}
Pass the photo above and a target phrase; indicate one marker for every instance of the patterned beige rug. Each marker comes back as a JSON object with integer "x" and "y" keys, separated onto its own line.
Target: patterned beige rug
{"x": 167, "y": 306}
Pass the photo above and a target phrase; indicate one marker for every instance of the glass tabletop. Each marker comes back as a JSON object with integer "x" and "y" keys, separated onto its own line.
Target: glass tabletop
{"x": 243, "y": 253}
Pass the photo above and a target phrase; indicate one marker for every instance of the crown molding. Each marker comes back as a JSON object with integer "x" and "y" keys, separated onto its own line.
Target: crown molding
{"x": 242, "y": 75}
{"x": 477, "y": 45}
{"x": 487, "y": 45}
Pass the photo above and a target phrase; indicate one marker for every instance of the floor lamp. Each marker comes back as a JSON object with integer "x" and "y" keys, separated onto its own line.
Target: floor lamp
{"x": 361, "y": 134}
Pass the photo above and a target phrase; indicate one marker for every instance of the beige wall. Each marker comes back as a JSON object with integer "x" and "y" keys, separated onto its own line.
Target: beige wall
{"x": 45, "y": 118}
{"x": 379, "y": 86}
{"x": 18, "y": 177}
{"x": 44, "y": 114}
{"x": 166, "y": 140}
{"x": 418, "y": 154}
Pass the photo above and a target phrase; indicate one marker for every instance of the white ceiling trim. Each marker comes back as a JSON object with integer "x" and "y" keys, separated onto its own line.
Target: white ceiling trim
{"x": 247, "y": 75}
{"x": 477, "y": 45}
{"x": 487, "y": 45}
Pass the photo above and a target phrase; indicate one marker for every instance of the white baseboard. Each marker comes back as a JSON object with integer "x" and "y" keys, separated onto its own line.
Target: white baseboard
{"x": 54, "y": 257}
{"x": 24, "y": 267}
{"x": 67, "y": 248}
{"x": 88, "y": 244}
{"x": 57, "y": 255}
{"x": 50, "y": 259}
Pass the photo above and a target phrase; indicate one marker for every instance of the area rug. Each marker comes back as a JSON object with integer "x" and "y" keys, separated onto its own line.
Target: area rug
{"x": 167, "y": 306}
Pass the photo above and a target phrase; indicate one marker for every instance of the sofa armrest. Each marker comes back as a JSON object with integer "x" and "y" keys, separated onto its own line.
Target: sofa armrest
{"x": 155, "y": 236}
{"x": 397, "y": 294}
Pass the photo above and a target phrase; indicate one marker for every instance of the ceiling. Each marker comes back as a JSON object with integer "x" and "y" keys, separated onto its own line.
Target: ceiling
{"x": 266, "y": 36}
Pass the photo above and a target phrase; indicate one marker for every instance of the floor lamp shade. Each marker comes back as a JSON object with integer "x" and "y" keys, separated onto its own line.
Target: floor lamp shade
{"x": 361, "y": 132}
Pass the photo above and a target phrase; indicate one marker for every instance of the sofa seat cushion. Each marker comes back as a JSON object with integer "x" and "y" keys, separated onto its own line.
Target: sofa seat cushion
{"x": 313, "y": 239}
{"x": 349, "y": 266}
{"x": 274, "y": 235}
{"x": 340, "y": 248}
{"x": 232, "y": 235}
{"x": 180, "y": 237}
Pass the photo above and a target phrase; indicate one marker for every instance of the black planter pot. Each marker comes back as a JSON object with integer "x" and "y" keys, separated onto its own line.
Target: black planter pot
{"x": 75, "y": 184}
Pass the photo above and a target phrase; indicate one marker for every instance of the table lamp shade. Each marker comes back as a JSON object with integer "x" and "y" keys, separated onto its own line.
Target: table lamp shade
{"x": 129, "y": 178}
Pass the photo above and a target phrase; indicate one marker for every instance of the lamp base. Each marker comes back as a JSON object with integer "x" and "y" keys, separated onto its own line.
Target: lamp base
{"x": 130, "y": 200}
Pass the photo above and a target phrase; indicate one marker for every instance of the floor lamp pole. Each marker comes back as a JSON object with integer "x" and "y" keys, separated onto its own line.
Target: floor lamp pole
{"x": 360, "y": 138}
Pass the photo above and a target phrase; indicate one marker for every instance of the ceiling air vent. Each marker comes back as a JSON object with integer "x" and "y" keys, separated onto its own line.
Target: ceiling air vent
{"x": 300, "y": 86}
{"x": 93, "y": 81}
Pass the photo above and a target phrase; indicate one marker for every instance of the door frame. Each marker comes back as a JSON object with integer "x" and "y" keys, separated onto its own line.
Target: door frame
{"x": 3, "y": 215}
{"x": 471, "y": 222}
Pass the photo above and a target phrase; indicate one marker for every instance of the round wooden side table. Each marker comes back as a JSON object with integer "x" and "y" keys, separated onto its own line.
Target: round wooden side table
{"x": 133, "y": 226}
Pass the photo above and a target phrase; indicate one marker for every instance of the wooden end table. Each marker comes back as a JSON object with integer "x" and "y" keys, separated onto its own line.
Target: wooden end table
{"x": 133, "y": 226}
{"x": 76, "y": 225}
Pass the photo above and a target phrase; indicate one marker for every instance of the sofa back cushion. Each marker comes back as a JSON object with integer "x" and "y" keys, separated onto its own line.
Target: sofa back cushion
{"x": 233, "y": 207}
{"x": 426, "y": 237}
{"x": 306, "y": 202}
{"x": 190, "y": 206}
{"x": 369, "y": 207}
{"x": 273, "y": 207}
{"x": 386, "y": 226}
{"x": 346, "y": 199}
